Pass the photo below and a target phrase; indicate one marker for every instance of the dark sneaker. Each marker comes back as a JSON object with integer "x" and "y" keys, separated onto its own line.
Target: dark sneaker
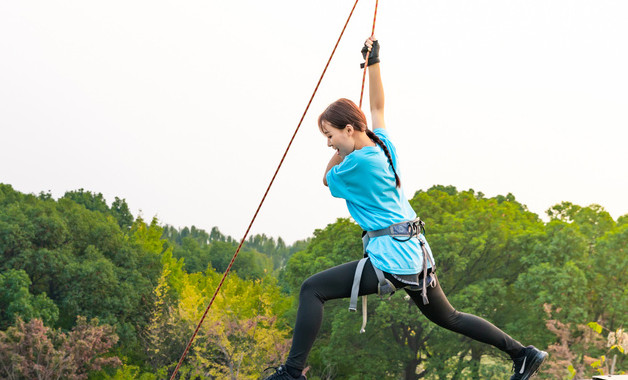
{"x": 526, "y": 366}
{"x": 282, "y": 374}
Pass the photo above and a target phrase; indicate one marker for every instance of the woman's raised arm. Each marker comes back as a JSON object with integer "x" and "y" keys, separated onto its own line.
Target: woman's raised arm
{"x": 376, "y": 88}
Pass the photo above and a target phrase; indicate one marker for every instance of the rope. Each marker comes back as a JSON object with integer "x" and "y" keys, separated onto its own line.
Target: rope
{"x": 187, "y": 348}
{"x": 367, "y": 55}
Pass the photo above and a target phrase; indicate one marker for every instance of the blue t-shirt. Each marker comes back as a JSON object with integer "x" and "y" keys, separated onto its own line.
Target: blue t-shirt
{"x": 366, "y": 181}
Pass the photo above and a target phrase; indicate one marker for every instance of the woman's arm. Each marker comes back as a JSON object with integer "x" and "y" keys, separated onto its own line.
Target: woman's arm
{"x": 376, "y": 89}
{"x": 335, "y": 160}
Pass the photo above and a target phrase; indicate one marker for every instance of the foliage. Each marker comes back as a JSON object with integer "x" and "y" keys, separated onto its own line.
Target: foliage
{"x": 33, "y": 351}
{"x": 241, "y": 334}
{"x": 581, "y": 352}
{"x": 96, "y": 202}
{"x": 17, "y": 301}
{"x": 494, "y": 259}
{"x": 78, "y": 255}
{"x": 259, "y": 255}
{"x": 75, "y": 259}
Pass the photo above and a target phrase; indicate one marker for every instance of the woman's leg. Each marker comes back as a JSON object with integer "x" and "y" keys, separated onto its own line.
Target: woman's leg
{"x": 440, "y": 311}
{"x": 329, "y": 284}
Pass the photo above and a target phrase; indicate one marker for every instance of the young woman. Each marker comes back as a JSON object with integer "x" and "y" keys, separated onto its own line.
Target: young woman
{"x": 363, "y": 172}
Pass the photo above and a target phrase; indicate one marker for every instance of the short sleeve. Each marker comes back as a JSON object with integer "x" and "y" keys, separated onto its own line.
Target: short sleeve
{"x": 343, "y": 178}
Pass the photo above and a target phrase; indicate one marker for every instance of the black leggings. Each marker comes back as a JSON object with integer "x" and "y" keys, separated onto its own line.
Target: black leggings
{"x": 336, "y": 283}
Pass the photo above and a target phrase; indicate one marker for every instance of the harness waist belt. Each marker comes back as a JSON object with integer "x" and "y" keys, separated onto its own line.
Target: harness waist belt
{"x": 409, "y": 229}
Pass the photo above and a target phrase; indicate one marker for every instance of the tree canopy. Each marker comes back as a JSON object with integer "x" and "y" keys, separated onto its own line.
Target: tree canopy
{"x": 143, "y": 286}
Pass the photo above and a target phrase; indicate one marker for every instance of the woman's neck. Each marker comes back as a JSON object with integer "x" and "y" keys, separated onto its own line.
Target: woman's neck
{"x": 361, "y": 140}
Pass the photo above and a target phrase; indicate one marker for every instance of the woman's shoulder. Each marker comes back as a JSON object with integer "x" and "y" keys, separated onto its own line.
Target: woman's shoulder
{"x": 383, "y": 135}
{"x": 381, "y": 132}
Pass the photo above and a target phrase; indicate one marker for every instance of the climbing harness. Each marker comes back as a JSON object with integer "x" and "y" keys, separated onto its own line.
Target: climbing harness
{"x": 407, "y": 230}
{"x": 187, "y": 348}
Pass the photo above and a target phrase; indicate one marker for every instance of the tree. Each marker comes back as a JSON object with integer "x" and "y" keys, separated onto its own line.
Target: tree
{"x": 91, "y": 201}
{"x": 80, "y": 259}
{"x": 249, "y": 264}
{"x": 120, "y": 210}
{"x": 16, "y": 301}
{"x": 34, "y": 351}
{"x": 578, "y": 267}
{"x": 241, "y": 335}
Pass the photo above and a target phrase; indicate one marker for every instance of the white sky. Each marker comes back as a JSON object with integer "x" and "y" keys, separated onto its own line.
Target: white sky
{"x": 185, "y": 108}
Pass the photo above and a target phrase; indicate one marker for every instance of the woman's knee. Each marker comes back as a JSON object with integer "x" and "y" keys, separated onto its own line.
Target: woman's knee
{"x": 450, "y": 319}
{"x": 309, "y": 287}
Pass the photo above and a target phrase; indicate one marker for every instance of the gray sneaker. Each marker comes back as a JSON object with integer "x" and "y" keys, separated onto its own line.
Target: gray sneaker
{"x": 526, "y": 366}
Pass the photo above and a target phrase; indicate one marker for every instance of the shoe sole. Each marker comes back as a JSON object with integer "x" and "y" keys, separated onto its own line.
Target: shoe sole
{"x": 535, "y": 364}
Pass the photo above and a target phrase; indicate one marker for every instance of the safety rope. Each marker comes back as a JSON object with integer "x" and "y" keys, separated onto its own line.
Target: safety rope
{"x": 367, "y": 55}
{"x": 187, "y": 348}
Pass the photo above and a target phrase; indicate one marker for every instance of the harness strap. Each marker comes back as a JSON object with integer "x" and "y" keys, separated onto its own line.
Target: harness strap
{"x": 363, "y": 327}
{"x": 432, "y": 279}
{"x": 408, "y": 229}
{"x": 353, "y": 303}
{"x": 384, "y": 287}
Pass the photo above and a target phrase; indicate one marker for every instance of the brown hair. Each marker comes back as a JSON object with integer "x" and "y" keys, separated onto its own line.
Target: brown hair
{"x": 344, "y": 111}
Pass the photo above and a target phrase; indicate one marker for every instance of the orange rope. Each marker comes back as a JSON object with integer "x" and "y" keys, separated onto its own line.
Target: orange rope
{"x": 187, "y": 348}
{"x": 367, "y": 55}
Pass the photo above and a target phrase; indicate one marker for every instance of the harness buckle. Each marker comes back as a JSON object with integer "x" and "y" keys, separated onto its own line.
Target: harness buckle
{"x": 385, "y": 287}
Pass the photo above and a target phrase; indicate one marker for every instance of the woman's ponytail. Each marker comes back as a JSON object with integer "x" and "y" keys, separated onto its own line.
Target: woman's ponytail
{"x": 379, "y": 142}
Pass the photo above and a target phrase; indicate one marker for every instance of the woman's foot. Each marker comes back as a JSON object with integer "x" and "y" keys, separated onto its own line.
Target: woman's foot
{"x": 281, "y": 373}
{"x": 527, "y": 364}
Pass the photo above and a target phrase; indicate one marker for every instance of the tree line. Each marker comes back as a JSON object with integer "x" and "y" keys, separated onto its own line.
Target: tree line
{"x": 77, "y": 273}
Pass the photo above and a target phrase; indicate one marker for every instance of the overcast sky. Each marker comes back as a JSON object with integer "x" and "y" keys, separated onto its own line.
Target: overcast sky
{"x": 185, "y": 108}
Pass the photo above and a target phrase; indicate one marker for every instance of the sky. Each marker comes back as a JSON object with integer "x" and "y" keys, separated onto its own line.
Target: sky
{"x": 184, "y": 109}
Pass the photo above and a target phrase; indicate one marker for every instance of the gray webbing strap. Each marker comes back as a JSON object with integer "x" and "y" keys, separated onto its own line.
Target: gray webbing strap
{"x": 380, "y": 275}
{"x": 408, "y": 229}
{"x": 353, "y": 304}
{"x": 384, "y": 287}
{"x": 432, "y": 283}
{"x": 355, "y": 289}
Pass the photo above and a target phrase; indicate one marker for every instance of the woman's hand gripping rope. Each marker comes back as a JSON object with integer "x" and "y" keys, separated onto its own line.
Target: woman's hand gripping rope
{"x": 371, "y": 47}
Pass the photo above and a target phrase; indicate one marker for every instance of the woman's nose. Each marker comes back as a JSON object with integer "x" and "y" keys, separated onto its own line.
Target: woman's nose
{"x": 328, "y": 142}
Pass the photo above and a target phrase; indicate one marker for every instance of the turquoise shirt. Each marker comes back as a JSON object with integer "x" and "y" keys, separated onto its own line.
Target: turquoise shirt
{"x": 366, "y": 181}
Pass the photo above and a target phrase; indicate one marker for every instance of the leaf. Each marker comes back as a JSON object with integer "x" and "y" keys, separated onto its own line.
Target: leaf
{"x": 595, "y": 327}
{"x": 620, "y": 348}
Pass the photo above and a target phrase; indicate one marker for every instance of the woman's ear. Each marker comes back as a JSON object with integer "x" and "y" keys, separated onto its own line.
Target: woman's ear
{"x": 349, "y": 128}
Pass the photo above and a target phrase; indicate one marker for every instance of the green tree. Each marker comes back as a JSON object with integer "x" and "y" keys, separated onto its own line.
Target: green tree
{"x": 579, "y": 270}
{"x": 120, "y": 210}
{"x": 81, "y": 259}
{"x": 16, "y": 301}
{"x": 91, "y": 201}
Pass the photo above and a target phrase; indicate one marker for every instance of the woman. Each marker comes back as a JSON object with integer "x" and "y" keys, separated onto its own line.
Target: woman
{"x": 363, "y": 172}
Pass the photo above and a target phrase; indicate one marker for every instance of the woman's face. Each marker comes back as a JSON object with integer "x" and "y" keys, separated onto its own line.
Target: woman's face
{"x": 339, "y": 139}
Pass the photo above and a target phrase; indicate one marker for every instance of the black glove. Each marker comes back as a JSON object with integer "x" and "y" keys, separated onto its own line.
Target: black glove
{"x": 374, "y": 56}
